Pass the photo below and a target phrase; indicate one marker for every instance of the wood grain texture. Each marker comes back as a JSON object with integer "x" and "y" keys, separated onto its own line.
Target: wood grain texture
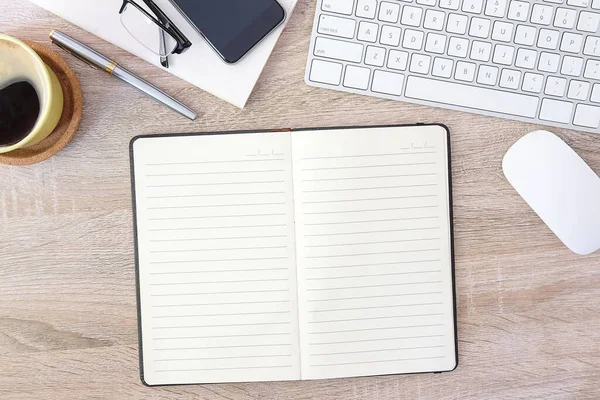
{"x": 528, "y": 309}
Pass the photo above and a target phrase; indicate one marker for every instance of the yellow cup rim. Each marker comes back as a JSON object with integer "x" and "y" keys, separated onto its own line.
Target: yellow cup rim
{"x": 44, "y": 74}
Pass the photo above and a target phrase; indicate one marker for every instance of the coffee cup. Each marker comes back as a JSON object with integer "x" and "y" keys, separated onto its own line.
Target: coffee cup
{"x": 31, "y": 96}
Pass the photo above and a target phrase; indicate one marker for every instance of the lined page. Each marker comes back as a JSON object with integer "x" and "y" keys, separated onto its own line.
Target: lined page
{"x": 374, "y": 251}
{"x": 215, "y": 229}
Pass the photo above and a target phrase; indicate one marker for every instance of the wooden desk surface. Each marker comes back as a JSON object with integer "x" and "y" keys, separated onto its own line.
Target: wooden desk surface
{"x": 528, "y": 308}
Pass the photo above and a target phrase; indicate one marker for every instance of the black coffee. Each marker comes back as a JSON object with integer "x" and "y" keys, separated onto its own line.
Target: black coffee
{"x": 19, "y": 111}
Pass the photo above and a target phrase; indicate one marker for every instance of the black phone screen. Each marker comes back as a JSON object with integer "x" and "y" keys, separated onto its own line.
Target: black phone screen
{"x": 233, "y": 27}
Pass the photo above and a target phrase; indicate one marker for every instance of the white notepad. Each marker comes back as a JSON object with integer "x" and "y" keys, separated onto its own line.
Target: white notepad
{"x": 294, "y": 255}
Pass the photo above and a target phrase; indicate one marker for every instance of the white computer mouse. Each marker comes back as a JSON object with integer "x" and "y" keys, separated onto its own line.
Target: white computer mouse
{"x": 560, "y": 187}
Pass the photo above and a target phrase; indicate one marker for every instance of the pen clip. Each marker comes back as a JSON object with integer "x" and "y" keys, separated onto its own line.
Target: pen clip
{"x": 75, "y": 55}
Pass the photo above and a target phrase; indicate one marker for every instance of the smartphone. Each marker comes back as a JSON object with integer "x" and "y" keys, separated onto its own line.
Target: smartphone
{"x": 232, "y": 27}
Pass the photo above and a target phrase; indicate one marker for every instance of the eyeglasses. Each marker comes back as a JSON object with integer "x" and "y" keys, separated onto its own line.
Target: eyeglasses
{"x": 151, "y": 27}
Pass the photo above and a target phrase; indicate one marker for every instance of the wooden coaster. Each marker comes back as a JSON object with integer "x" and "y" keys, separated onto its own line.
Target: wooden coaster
{"x": 69, "y": 122}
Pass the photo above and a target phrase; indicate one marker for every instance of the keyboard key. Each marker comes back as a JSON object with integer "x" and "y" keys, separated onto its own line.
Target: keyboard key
{"x": 337, "y": 49}
{"x": 427, "y": 2}
{"x": 465, "y": 71}
{"x": 541, "y": 14}
{"x": 434, "y": 20}
{"x": 526, "y": 58}
{"x": 556, "y": 111}
{"x": 571, "y": 42}
{"x": 326, "y": 72}
{"x": 487, "y": 75}
{"x": 578, "y": 90}
{"x": 555, "y": 86}
{"x": 592, "y": 46}
{"x": 457, "y": 24}
{"x": 357, "y": 77}
{"x": 532, "y": 82}
{"x": 472, "y": 6}
{"x": 458, "y": 47}
{"x": 510, "y": 78}
{"x": 495, "y": 8}
{"x": 471, "y": 97}
{"x": 435, "y": 43}
{"x": 481, "y": 51}
{"x": 412, "y": 39}
{"x": 450, "y": 4}
{"x": 595, "y": 97}
{"x": 525, "y": 35}
{"x": 548, "y": 39}
{"x": 565, "y": 18}
{"x": 366, "y": 8}
{"x": 596, "y": 4}
{"x": 375, "y": 56}
{"x": 571, "y": 66}
{"x": 518, "y": 10}
{"x": 338, "y": 6}
{"x": 419, "y": 64}
{"x": 502, "y": 31}
{"x": 397, "y": 60}
{"x": 480, "y": 28}
{"x": 555, "y": 1}
{"x": 387, "y": 83}
{"x": 442, "y": 67}
{"x": 335, "y": 26}
{"x": 389, "y": 12}
{"x": 588, "y": 116}
{"x": 549, "y": 62}
{"x": 588, "y": 22}
{"x": 390, "y": 35}
{"x": 367, "y": 31}
{"x": 503, "y": 55}
{"x": 411, "y": 16}
{"x": 592, "y": 69}
{"x": 578, "y": 3}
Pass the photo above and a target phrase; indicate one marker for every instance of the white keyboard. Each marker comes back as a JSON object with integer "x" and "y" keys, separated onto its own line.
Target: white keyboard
{"x": 535, "y": 61}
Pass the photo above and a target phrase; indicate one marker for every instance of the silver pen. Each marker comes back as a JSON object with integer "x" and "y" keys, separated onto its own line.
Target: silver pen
{"x": 97, "y": 60}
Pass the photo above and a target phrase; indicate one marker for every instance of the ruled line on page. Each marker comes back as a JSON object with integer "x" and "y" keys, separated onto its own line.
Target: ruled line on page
{"x": 376, "y": 307}
{"x": 369, "y": 166}
{"x": 366, "y": 243}
{"x": 376, "y": 340}
{"x": 219, "y": 260}
{"x": 234, "y": 303}
{"x": 378, "y": 361}
{"x": 378, "y": 350}
{"x": 216, "y": 271}
{"x": 223, "y": 368}
{"x": 372, "y": 286}
{"x": 220, "y": 326}
{"x": 370, "y": 188}
{"x": 373, "y": 275}
{"x": 214, "y": 227}
{"x": 161, "y": 164}
{"x": 217, "y": 238}
{"x": 375, "y": 231}
{"x": 372, "y": 254}
{"x": 213, "y": 282}
{"x": 218, "y": 314}
{"x": 220, "y": 347}
{"x": 375, "y": 297}
{"x": 367, "y": 155}
{"x": 217, "y": 249}
{"x": 218, "y": 293}
{"x": 425, "y": 196}
{"x": 369, "y": 210}
{"x": 222, "y": 336}
{"x": 375, "y": 318}
{"x": 372, "y": 220}
{"x": 216, "y": 173}
{"x": 214, "y": 195}
{"x": 214, "y": 184}
{"x": 223, "y": 358}
{"x": 373, "y": 264}
{"x": 368, "y": 177}
{"x": 278, "y": 203}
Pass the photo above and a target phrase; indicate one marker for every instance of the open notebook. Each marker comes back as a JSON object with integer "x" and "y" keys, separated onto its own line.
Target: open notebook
{"x": 294, "y": 255}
